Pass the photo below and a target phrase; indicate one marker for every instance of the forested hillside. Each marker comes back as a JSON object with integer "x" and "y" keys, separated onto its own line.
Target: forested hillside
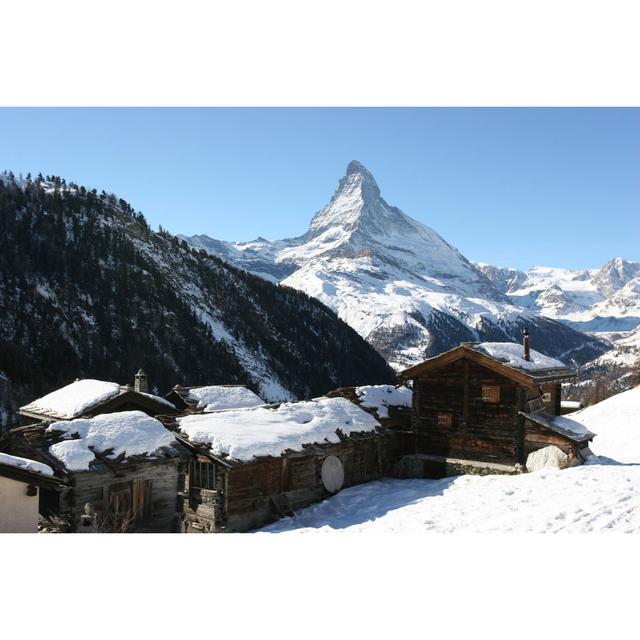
{"x": 87, "y": 289}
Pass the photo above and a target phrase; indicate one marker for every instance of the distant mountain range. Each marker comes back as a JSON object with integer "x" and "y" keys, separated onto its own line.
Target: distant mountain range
{"x": 87, "y": 289}
{"x": 598, "y": 300}
{"x": 399, "y": 284}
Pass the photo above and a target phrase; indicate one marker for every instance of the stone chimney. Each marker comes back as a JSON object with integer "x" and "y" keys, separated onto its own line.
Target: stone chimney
{"x": 141, "y": 383}
{"x": 525, "y": 343}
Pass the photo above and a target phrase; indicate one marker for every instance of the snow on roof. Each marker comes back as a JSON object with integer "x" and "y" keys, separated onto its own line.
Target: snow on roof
{"x": 25, "y": 464}
{"x": 382, "y": 396}
{"x": 616, "y": 422}
{"x": 511, "y": 354}
{"x": 562, "y": 425}
{"x": 81, "y": 396}
{"x": 111, "y": 434}
{"x": 570, "y": 404}
{"x": 157, "y": 399}
{"x": 244, "y": 433}
{"x": 74, "y": 399}
{"x": 221, "y": 398}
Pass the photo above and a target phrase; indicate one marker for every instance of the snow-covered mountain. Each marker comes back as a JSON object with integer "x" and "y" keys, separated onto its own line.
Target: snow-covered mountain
{"x": 604, "y": 302}
{"x": 395, "y": 280}
{"x": 595, "y": 300}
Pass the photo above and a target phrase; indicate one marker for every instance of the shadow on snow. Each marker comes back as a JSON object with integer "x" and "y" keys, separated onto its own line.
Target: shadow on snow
{"x": 361, "y": 503}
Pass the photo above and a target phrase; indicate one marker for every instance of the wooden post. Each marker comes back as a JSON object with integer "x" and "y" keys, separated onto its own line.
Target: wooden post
{"x": 522, "y": 406}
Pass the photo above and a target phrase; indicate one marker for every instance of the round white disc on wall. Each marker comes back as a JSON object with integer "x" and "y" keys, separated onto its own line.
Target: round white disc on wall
{"x": 332, "y": 474}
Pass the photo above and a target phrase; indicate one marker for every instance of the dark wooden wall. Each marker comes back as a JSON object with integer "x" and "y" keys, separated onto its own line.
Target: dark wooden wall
{"x": 480, "y": 430}
{"x": 553, "y": 406}
{"x": 254, "y": 493}
{"x": 166, "y": 484}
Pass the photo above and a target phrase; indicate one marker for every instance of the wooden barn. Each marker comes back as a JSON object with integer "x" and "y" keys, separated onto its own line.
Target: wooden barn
{"x": 87, "y": 398}
{"x": 117, "y": 472}
{"x": 206, "y": 399}
{"x": 253, "y": 466}
{"x": 484, "y": 407}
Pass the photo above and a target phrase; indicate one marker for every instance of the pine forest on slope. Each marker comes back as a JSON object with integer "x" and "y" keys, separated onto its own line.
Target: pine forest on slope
{"x": 89, "y": 290}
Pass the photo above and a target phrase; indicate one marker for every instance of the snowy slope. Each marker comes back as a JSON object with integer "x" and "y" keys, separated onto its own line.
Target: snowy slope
{"x": 616, "y": 421}
{"x": 394, "y": 280}
{"x": 591, "y": 498}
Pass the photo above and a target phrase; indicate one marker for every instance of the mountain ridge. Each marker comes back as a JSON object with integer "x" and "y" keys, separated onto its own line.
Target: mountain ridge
{"x": 395, "y": 280}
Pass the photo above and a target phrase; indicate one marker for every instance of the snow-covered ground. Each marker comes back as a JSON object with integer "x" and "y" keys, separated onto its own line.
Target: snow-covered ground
{"x": 581, "y": 499}
{"x": 602, "y": 495}
{"x": 616, "y": 421}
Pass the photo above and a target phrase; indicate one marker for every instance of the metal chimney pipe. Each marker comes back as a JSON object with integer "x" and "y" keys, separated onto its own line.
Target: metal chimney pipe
{"x": 525, "y": 342}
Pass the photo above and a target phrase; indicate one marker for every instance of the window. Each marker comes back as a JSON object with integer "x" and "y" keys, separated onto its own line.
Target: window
{"x": 202, "y": 475}
{"x": 546, "y": 397}
{"x": 536, "y": 404}
{"x": 445, "y": 419}
{"x": 490, "y": 393}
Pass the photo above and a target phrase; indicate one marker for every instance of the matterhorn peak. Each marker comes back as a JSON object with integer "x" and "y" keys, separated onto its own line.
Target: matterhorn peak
{"x": 359, "y": 176}
{"x": 356, "y": 195}
{"x": 355, "y": 167}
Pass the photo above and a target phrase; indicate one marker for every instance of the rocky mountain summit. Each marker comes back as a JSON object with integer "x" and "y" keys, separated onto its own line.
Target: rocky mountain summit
{"x": 397, "y": 282}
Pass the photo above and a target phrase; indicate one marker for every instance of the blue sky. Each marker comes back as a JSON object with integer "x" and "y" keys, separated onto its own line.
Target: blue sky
{"x": 513, "y": 187}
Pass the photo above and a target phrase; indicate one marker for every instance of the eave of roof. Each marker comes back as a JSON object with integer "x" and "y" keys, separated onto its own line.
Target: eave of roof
{"x": 29, "y": 477}
{"x": 543, "y": 419}
{"x": 527, "y": 377}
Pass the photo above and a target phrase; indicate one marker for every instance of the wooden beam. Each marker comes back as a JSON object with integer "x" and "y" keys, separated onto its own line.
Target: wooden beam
{"x": 465, "y": 406}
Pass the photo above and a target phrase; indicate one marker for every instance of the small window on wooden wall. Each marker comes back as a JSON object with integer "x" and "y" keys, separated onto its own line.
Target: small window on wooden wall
{"x": 490, "y": 393}
{"x": 202, "y": 475}
{"x": 445, "y": 419}
{"x": 546, "y": 397}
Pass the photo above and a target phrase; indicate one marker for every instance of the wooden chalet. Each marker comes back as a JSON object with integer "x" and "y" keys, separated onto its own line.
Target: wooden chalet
{"x": 484, "y": 407}
{"x": 87, "y": 398}
{"x": 222, "y": 397}
{"x": 115, "y": 472}
{"x": 253, "y": 466}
